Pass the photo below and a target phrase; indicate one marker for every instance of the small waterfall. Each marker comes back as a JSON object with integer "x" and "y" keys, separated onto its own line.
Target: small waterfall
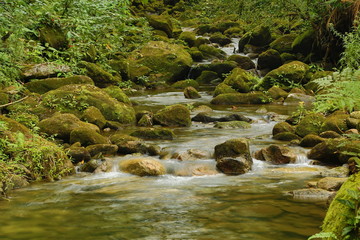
{"x": 302, "y": 159}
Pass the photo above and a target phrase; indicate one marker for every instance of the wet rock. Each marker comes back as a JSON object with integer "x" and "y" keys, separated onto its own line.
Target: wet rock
{"x": 286, "y": 136}
{"x": 202, "y": 109}
{"x": 355, "y": 114}
{"x": 61, "y": 125}
{"x": 282, "y": 127}
{"x": 90, "y": 166}
{"x": 283, "y": 43}
{"x": 310, "y": 124}
{"x": 206, "y": 118}
{"x": 145, "y": 121}
{"x": 234, "y": 166}
{"x": 142, "y": 167}
{"x": 331, "y": 183}
{"x": 296, "y": 98}
{"x": 223, "y": 88}
{"x": 313, "y": 194}
{"x": 174, "y": 115}
{"x": 241, "y": 98}
{"x": 43, "y": 70}
{"x": 276, "y": 93}
{"x": 42, "y": 86}
{"x": 106, "y": 165}
{"x": 94, "y": 116}
{"x": 240, "y": 80}
{"x": 118, "y": 94}
{"x": 220, "y": 38}
{"x": 78, "y": 154}
{"x": 311, "y": 140}
{"x": 100, "y": 150}
{"x": 188, "y": 37}
{"x": 330, "y": 134}
{"x": 233, "y": 124}
{"x": 270, "y": 59}
{"x": 87, "y": 136}
{"x": 185, "y": 83}
{"x": 243, "y": 62}
{"x": 222, "y": 67}
{"x": 161, "y": 22}
{"x": 100, "y": 77}
{"x": 192, "y": 155}
{"x": 191, "y": 93}
{"x": 276, "y": 154}
{"x": 154, "y": 133}
{"x": 233, "y": 148}
{"x": 196, "y": 170}
{"x": 129, "y": 144}
{"x": 326, "y": 152}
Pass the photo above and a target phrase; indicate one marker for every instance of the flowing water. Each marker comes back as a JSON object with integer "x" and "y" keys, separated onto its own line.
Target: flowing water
{"x": 116, "y": 205}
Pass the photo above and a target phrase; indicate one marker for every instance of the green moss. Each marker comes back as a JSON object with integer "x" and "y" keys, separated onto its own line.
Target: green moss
{"x": 212, "y": 52}
{"x": 336, "y": 123}
{"x": 154, "y": 133}
{"x": 260, "y": 36}
{"x": 241, "y": 98}
{"x": 286, "y": 136}
{"x": 185, "y": 83}
{"x": 100, "y": 77}
{"x": 188, "y": 37}
{"x": 243, "y": 62}
{"x": 87, "y": 136}
{"x": 207, "y": 77}
{"x": 118, "y": 94}
{"x": 54, "y": 37}
{"x": 310, "y": 124}
{"x": 269, "y": 59}
{"x": 283, "y": 43}
{"x": 220, "y": 38}
{"x": 94, "y": 116}
{"x": 174, "y": 115}
{"x": 304, "y": 42}
{"x": 240, "y": 80}
{"x": 161, "y": 22}
{"x": 222, "y": 88}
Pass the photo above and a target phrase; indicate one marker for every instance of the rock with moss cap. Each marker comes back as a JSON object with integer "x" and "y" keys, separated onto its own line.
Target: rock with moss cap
{"x": 222, "y": 67}
{"x": 154, "y": 134}
{"x": 243, "y": 62}
{"x": 240, "y": 80}
{"x": 61, "y": 125}
{"x": 191, "y": 93}
{"x": 206, "y": 77}
{"x": 238, "y": 147}
{"x": 269, "y": 59}
{"x": 336, "y": 123}
{"x": 118, "y": 94}
{"x": 285, "y": 75}
{"x": 188, "y": 37}
{"x": 200, "y": 41}
{"x": 53, "y": 36}
{"x": 303, "y": 43}
{"x": 283, "y": 43}
{"x": 311, "y": 140}
{"x": 220, "y": 38}
{"x": 282, "y": 127}
{"x": 42, "y": 86}
{"x": 185, "y": 83}
{"x": 100, "y": 77}
{"x": 161, "y": 22}
{"x": 196, "y": 54}
{"x": 276, "y": 92}
{"x": 311, "y": 123}
{"x": 76, "y": 98}
{"x": 241, "y": 98}
{"x": 223, "y": 88}
{"x": 143, "y": 167}
{"x": 43, "y": 70}
{"x": 174, "y": 116}
{"x": 260, "y": 36}
{"x": 212, "y": 52}
{"x": 101, "y": 150}
{"x": 87, "y": 136}
{"x": 78, "y": 154}
{"x": 94, "y": 116}
{"x": 170, "y": 62}
{"x": 286, "y": 136}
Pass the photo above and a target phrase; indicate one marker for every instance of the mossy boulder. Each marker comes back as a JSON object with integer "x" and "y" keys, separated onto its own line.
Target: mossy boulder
{"x": 232, "y": 124}
{"x": 207, "y": 77}
{"x": 260, "y": 36}
{"x": 238, "y": 147}
{"x": 310, "y": 124}
{"x": 170, "y": 62}
{"x": 188, "y": 37}
{"x": 234, "y": 166}
{"x": 61, "y": 125}
{"x": 76, "y": 98}
{"x": 154, "y": 134}
{"x": 212, "y": 52}
{"x": 87, "y": 136}
{"x": 219, "y": 38}
{"x": 143, "y": 167}
{"x": 101, "y": 150}
{"x": 311, "y": 140}
{"x": 283, "y": 43}
{"x": 161, "y": 22}
{"x": 269, "y": 59}
{"x": 43, "y": 70}
{"x": 240, "y": 80}
{"x": 118, "y": 94}
{"x": 200, "y": 41}
{"x": 276, "y": 92}
{"x": 191, "y": 93}
{"x": 54, "y": 37}
{"x": 185, "y": 83}
{"x": 276, "y": 154}
{"x": 297, "y": 98}
{"x": 303, "y": 43}
{"x": 241, "y": 98}
{"x": 94, "y": 116}
{"x": 327, "y": 152}
{"x": 330, "y": 134}
{"x": 100, "y": 77}
{"x": 78, "y": 154}
{"x": 174, "y": 115}
{"x": 243, "y": 62}
{"x": 42, "y": 86}
{"x": 336, "y": 123}
{"x": 223, "y": 88}
{"x": 196, "y": 54}
{"x": 285, "y": 75}
{"x": 282, "y": 127}
{"x": 234, "y": 32}
{"x": 286, "y": 136}
{"x": 222, "y": 67}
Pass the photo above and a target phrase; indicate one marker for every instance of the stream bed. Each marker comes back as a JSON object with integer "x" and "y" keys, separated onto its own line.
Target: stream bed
{"x": 117, "y": 205}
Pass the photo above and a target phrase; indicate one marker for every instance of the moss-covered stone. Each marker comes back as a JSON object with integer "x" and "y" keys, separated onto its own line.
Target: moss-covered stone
{"x": 43, "y": 70}
{"x": 330, "y": 134}
{"x": 196, "y": 54}
{"x": 219, "y": 38}
{"x": 142, "y": 167}
{"x": 303, "y": 43}
{"x": 286, "y": 136}
{"x": 118, "y": 94}
{"x": 260, "y": 36}
{"x": 191, "y": 93}
{"x": 188, "y": 37}
{"x": 42, "y": 86}
{"x": 101, "y": 150}
{"x": 311, "y": 140}
{"x": 283, "y": 43}
{"x": 174, "y": 115}
{"x": 87, "y": 136}
{"x": 185, "y": 83}
{"x": 161, "y": 22}
{"x": 170, "y": 62}
{"x": 232, "y": 124}
{"x": 222, "y": 67}
{"x": 311, "y": 123}
{"x": 285, "y": 75}
{"x": 297, "y": 98}
{"x": 327, "y": 152}
{"x": 212, "y": 52}
{"x": 282, "y": 127}
{"x": 200, "y": 41}
{"x": 238, "y": 147}
{"x": 94, "y": 116}
{"x": 243, "y": 62}
{"x": 240, "y": 80}
{"x": 233, "y": 32}
{"x": 76, "y": 98}
{"x": 54, "y": 37}
{"x": 223, "y": 88}
{"x": 241, "y": 98}
{"x": 154, "y": 134}
{"x": 336, "y": 123}
{"x": 78, "y": 154}
{"x": 100, "y": 77}
{"x": 207, "y": 77}
{"x": 61, "y": 125}
{"x": 287, "y": 57}
{"x": 269, "y": 59}
{"x": 276, "y": 154}
{"x": 276, "y": 92}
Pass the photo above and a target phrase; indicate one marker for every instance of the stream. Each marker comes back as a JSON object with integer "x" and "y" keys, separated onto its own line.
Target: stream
{"x": 116, "y": 205}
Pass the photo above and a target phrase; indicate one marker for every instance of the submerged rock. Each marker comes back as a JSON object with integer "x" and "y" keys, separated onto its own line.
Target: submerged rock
{"x": 142, "y": 167}
{"x": 313, "y": 194}
{"x": 330, "y": 183}
{"x": 232, "y": 124}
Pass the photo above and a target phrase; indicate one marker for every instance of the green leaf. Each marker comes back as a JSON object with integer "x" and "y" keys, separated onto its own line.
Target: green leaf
{"x": 347, "y": 203}
{"x": 347, "y": 230}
